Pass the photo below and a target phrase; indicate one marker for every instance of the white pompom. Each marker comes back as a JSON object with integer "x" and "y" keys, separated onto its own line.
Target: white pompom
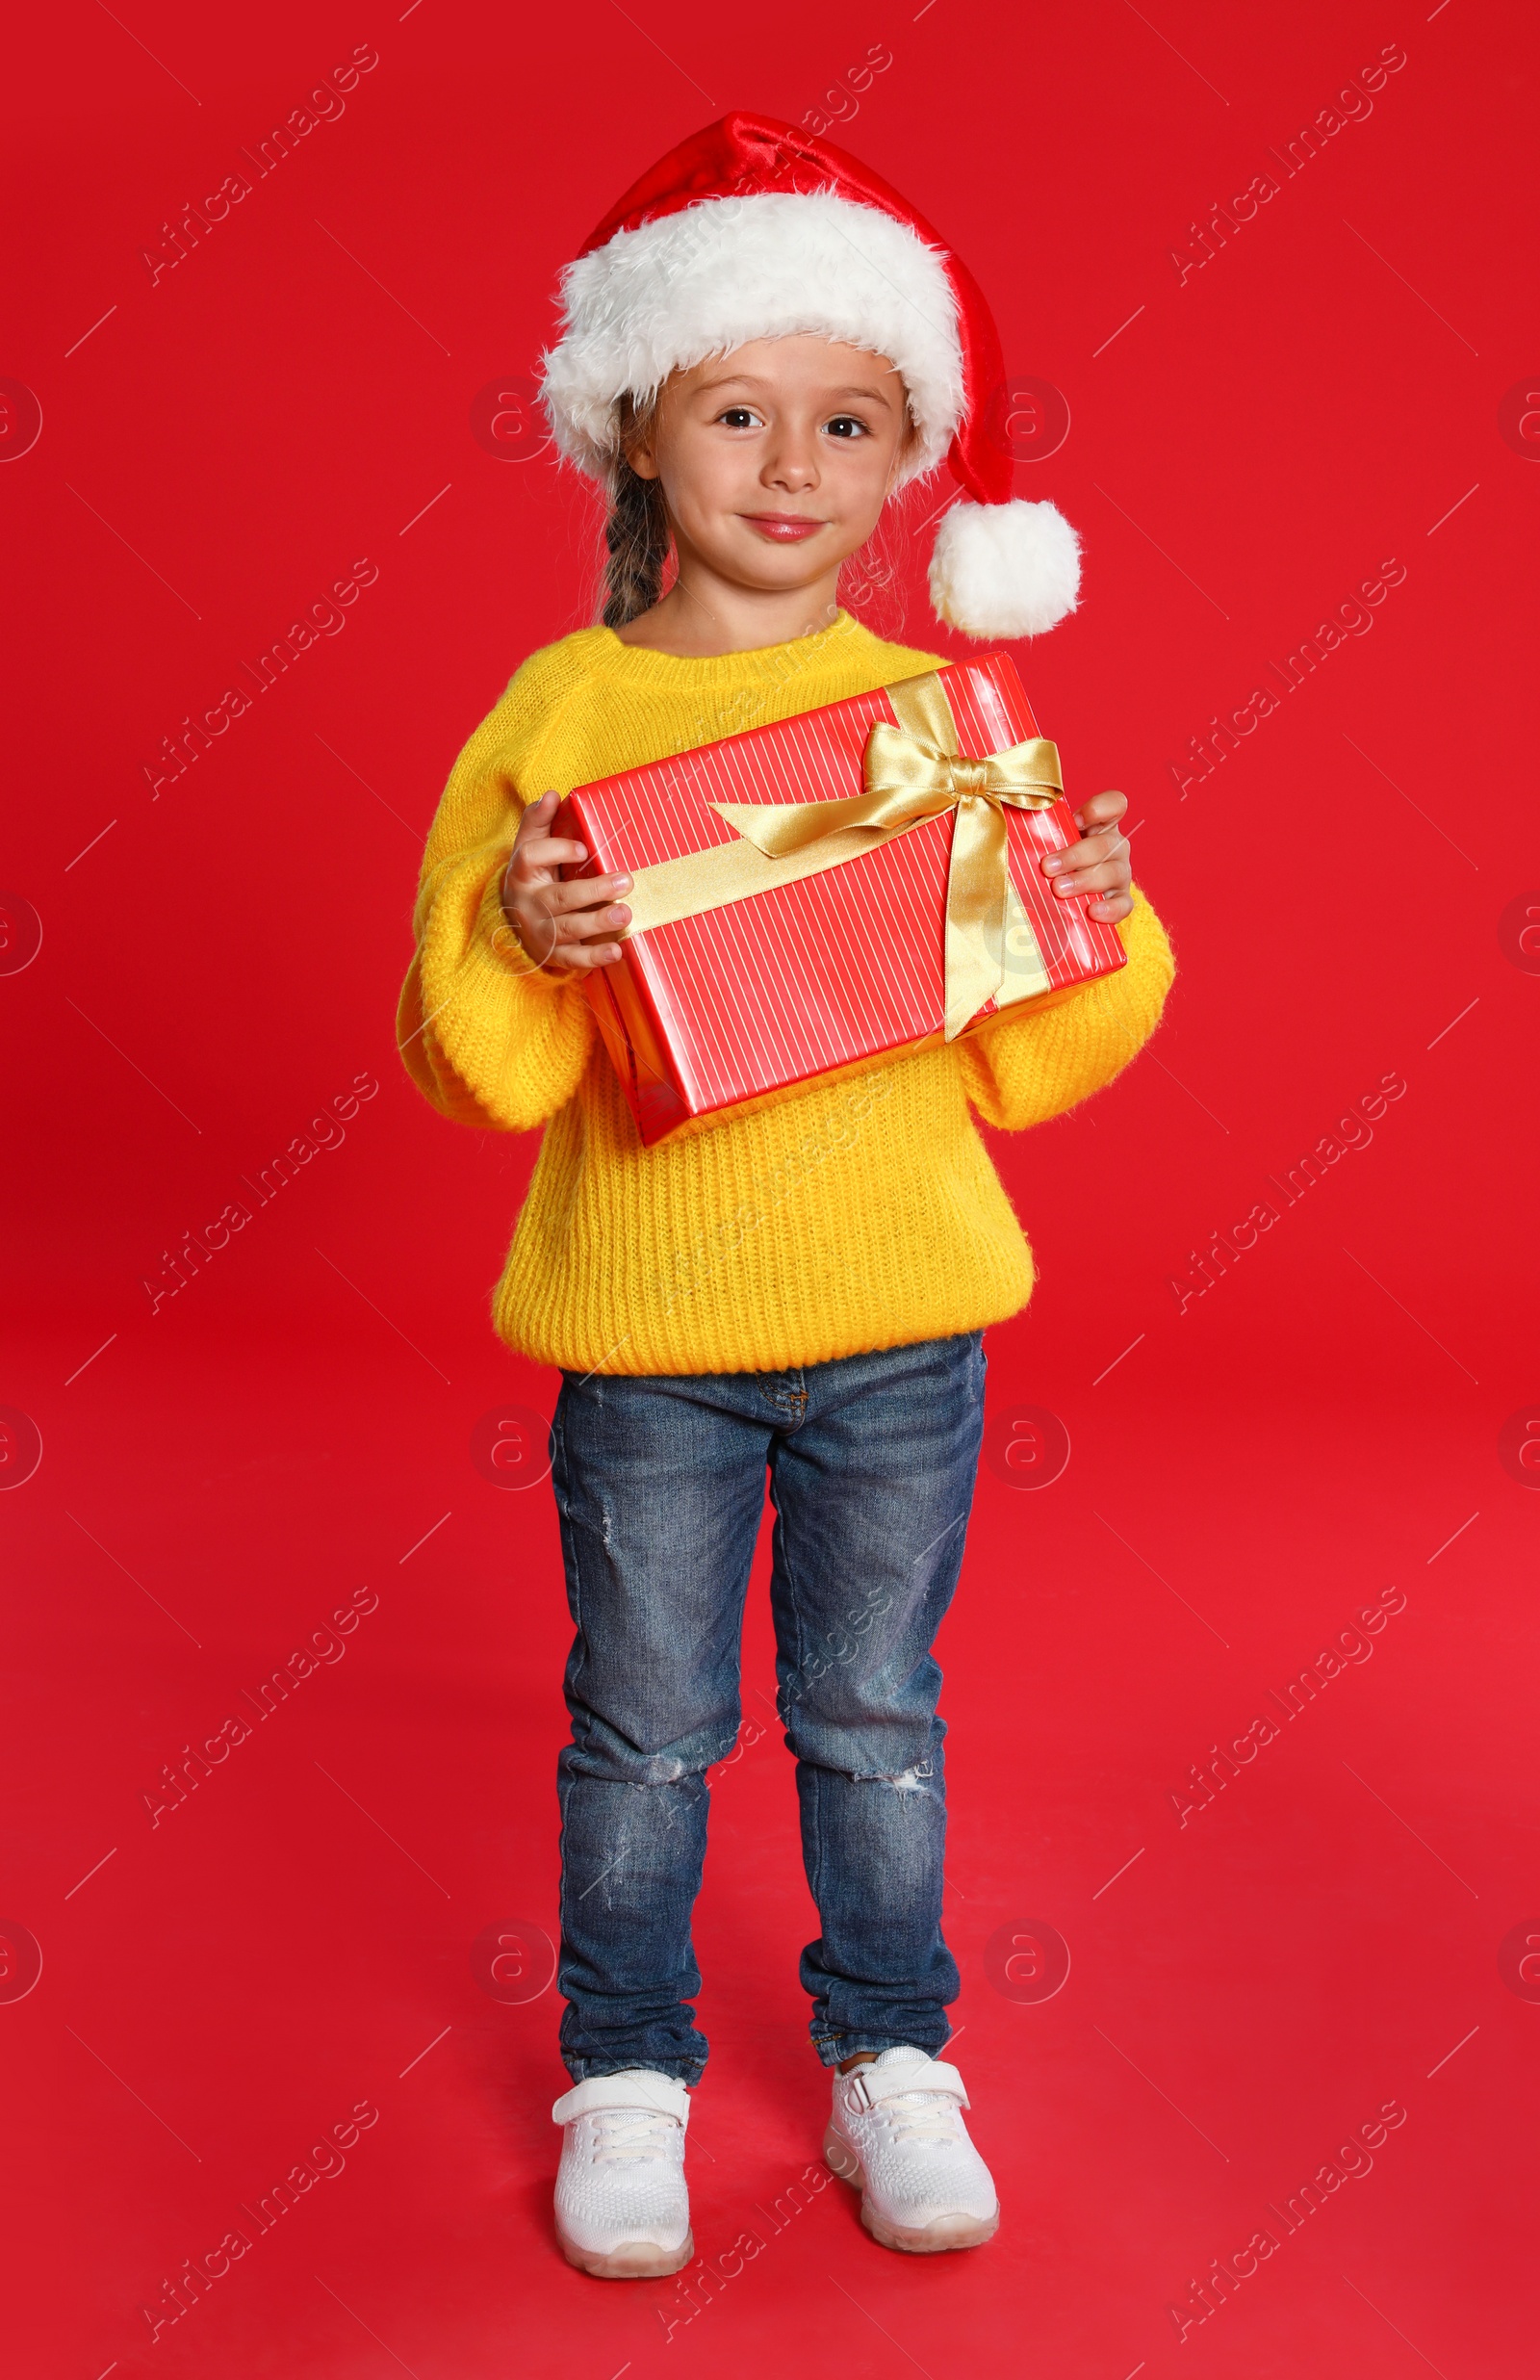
{"x": 1005, "y": 570}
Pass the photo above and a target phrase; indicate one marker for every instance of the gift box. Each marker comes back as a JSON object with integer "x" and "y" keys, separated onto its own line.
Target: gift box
{"x": 807, "y": 895}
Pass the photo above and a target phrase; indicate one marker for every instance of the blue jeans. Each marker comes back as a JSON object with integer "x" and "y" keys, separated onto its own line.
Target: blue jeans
{"x": 659, "y": 1483}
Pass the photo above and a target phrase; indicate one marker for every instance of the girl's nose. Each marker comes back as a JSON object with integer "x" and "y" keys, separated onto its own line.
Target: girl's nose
{"x": 791, "y": 465}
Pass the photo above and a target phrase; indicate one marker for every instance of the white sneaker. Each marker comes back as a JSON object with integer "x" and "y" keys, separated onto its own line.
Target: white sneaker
{"x": 897, "y": 2133}
{"x": 622, "y": 2210}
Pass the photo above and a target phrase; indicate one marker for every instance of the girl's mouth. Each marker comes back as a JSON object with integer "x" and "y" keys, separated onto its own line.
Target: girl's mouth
{"x": 786, "y": 528}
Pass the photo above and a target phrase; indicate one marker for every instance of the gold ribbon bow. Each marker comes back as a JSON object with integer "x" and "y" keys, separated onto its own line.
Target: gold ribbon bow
{"x": 913, "y": 772}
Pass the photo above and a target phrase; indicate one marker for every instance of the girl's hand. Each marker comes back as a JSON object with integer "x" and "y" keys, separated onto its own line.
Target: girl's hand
{"x": 1099, "y": 862}
{"x": 560, "y": 925}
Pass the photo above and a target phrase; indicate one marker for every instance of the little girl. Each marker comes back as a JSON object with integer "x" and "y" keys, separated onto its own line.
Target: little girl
{"x": 761, "y": 344}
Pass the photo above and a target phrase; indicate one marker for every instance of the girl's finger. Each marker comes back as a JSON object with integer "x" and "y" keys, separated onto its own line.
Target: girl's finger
{"x": 575, "y": 958}
{"x": 1101, "y": 810}
{"x": 548, "y": 942}
{"x": 543, "y": 851}
{"x": 1113, "y": 876}
{"x": 585, "y": 891}
{"x": 1091, "y": 853}
{"x": 536, "y": 819}
{"x": 575, "y": 926}
{"x": 1110, "y": 908}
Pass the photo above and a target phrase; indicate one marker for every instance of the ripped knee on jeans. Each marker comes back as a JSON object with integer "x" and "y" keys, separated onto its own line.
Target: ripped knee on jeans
{"x": 916, "y": 1780}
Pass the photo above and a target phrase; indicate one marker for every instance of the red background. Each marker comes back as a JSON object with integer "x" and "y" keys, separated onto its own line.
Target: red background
{"x": 1246, "y": 446}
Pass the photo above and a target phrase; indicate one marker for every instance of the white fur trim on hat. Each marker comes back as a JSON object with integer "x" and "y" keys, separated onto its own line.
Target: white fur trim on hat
{"x": 1005, "y": 570}
{"x": 727, "y": 271}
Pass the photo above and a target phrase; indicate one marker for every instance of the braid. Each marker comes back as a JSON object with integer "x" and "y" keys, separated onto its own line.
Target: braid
{"x": 636, "y": 534}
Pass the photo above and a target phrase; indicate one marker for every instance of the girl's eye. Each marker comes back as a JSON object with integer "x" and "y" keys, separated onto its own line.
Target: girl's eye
{"x": 737, "y": 417}
{"x": 846, "y": 425}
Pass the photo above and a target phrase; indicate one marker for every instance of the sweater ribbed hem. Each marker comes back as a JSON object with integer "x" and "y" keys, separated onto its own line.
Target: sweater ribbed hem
{"x": 772, "y": 1345}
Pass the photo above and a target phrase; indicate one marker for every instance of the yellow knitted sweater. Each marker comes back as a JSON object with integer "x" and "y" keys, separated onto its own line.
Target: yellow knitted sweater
{"x": 856, "y": 1211}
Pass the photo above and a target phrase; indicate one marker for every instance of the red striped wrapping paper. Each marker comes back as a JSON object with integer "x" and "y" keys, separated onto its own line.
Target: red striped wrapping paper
{"x": 747, "y": 1000}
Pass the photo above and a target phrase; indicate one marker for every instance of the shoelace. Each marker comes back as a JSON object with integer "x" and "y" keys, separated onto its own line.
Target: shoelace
{"x": 626, "y": 2134}
{"x": 921, "y": 2115}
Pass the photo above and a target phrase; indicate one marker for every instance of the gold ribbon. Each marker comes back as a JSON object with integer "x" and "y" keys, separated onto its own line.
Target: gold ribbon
{"x": 913, "y": 772}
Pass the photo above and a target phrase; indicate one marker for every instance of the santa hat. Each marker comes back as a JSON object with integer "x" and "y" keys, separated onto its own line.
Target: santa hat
{"x": 754, "y": 230}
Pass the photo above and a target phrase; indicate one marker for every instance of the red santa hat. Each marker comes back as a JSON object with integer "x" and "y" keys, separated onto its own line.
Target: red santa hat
{"x": 752, "y": 229}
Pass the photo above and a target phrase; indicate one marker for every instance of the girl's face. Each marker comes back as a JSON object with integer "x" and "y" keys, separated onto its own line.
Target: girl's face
{"x": 776, "y": 459}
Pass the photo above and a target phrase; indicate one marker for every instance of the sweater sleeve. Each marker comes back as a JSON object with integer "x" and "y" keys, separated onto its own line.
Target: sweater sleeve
{"x": 488, "y": 1037}
{"x": 1020, "y": 1070}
